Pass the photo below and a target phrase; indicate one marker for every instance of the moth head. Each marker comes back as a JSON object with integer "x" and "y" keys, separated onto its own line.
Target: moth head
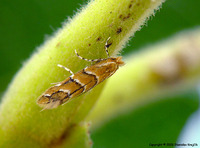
{"x": 119, "y": 61}
{"x": 46, "y": 103}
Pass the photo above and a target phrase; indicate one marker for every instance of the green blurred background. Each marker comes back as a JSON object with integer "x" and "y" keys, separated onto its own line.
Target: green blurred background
{"x": 25, "y": 25}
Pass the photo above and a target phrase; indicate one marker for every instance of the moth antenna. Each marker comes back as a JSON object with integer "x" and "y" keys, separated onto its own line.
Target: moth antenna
{"x": 55, "y": 83}
{"x": 43, "y": 109}
{"x": 89, "y": 60}
{"x": 106, "y": 46}
{"x": 67, "y": 69}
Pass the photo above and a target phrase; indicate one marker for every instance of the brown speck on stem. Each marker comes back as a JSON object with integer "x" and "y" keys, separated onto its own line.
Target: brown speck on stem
{"x": 119, "y": 30}
{"x": 89, "y": 44}
{"x": 59, "y": 141}
{"x": 126, "y": 17}
{"x": 99, "y": 38}
{"x": 120, "y": 16}
{"x": 138, "y": 4}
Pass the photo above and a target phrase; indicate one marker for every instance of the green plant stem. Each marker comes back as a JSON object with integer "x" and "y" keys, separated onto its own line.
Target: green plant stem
{"x": 87, "y": 33}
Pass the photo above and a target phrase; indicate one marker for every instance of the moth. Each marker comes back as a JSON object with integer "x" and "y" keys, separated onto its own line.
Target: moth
{"x": 80, "y": 82}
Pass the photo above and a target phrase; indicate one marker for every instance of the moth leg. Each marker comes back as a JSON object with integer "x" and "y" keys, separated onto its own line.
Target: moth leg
{"x": 55, "y": 83}
{"x": 65, "y": 102}
{"x": 89, "y": 60}
{"x": 106, "y": 46}
{"x": 43, "y": 109}
{"x": 65, "y": 68}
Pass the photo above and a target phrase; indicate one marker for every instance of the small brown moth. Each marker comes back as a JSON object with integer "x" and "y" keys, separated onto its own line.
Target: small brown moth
{"x": 81, "y": 81}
